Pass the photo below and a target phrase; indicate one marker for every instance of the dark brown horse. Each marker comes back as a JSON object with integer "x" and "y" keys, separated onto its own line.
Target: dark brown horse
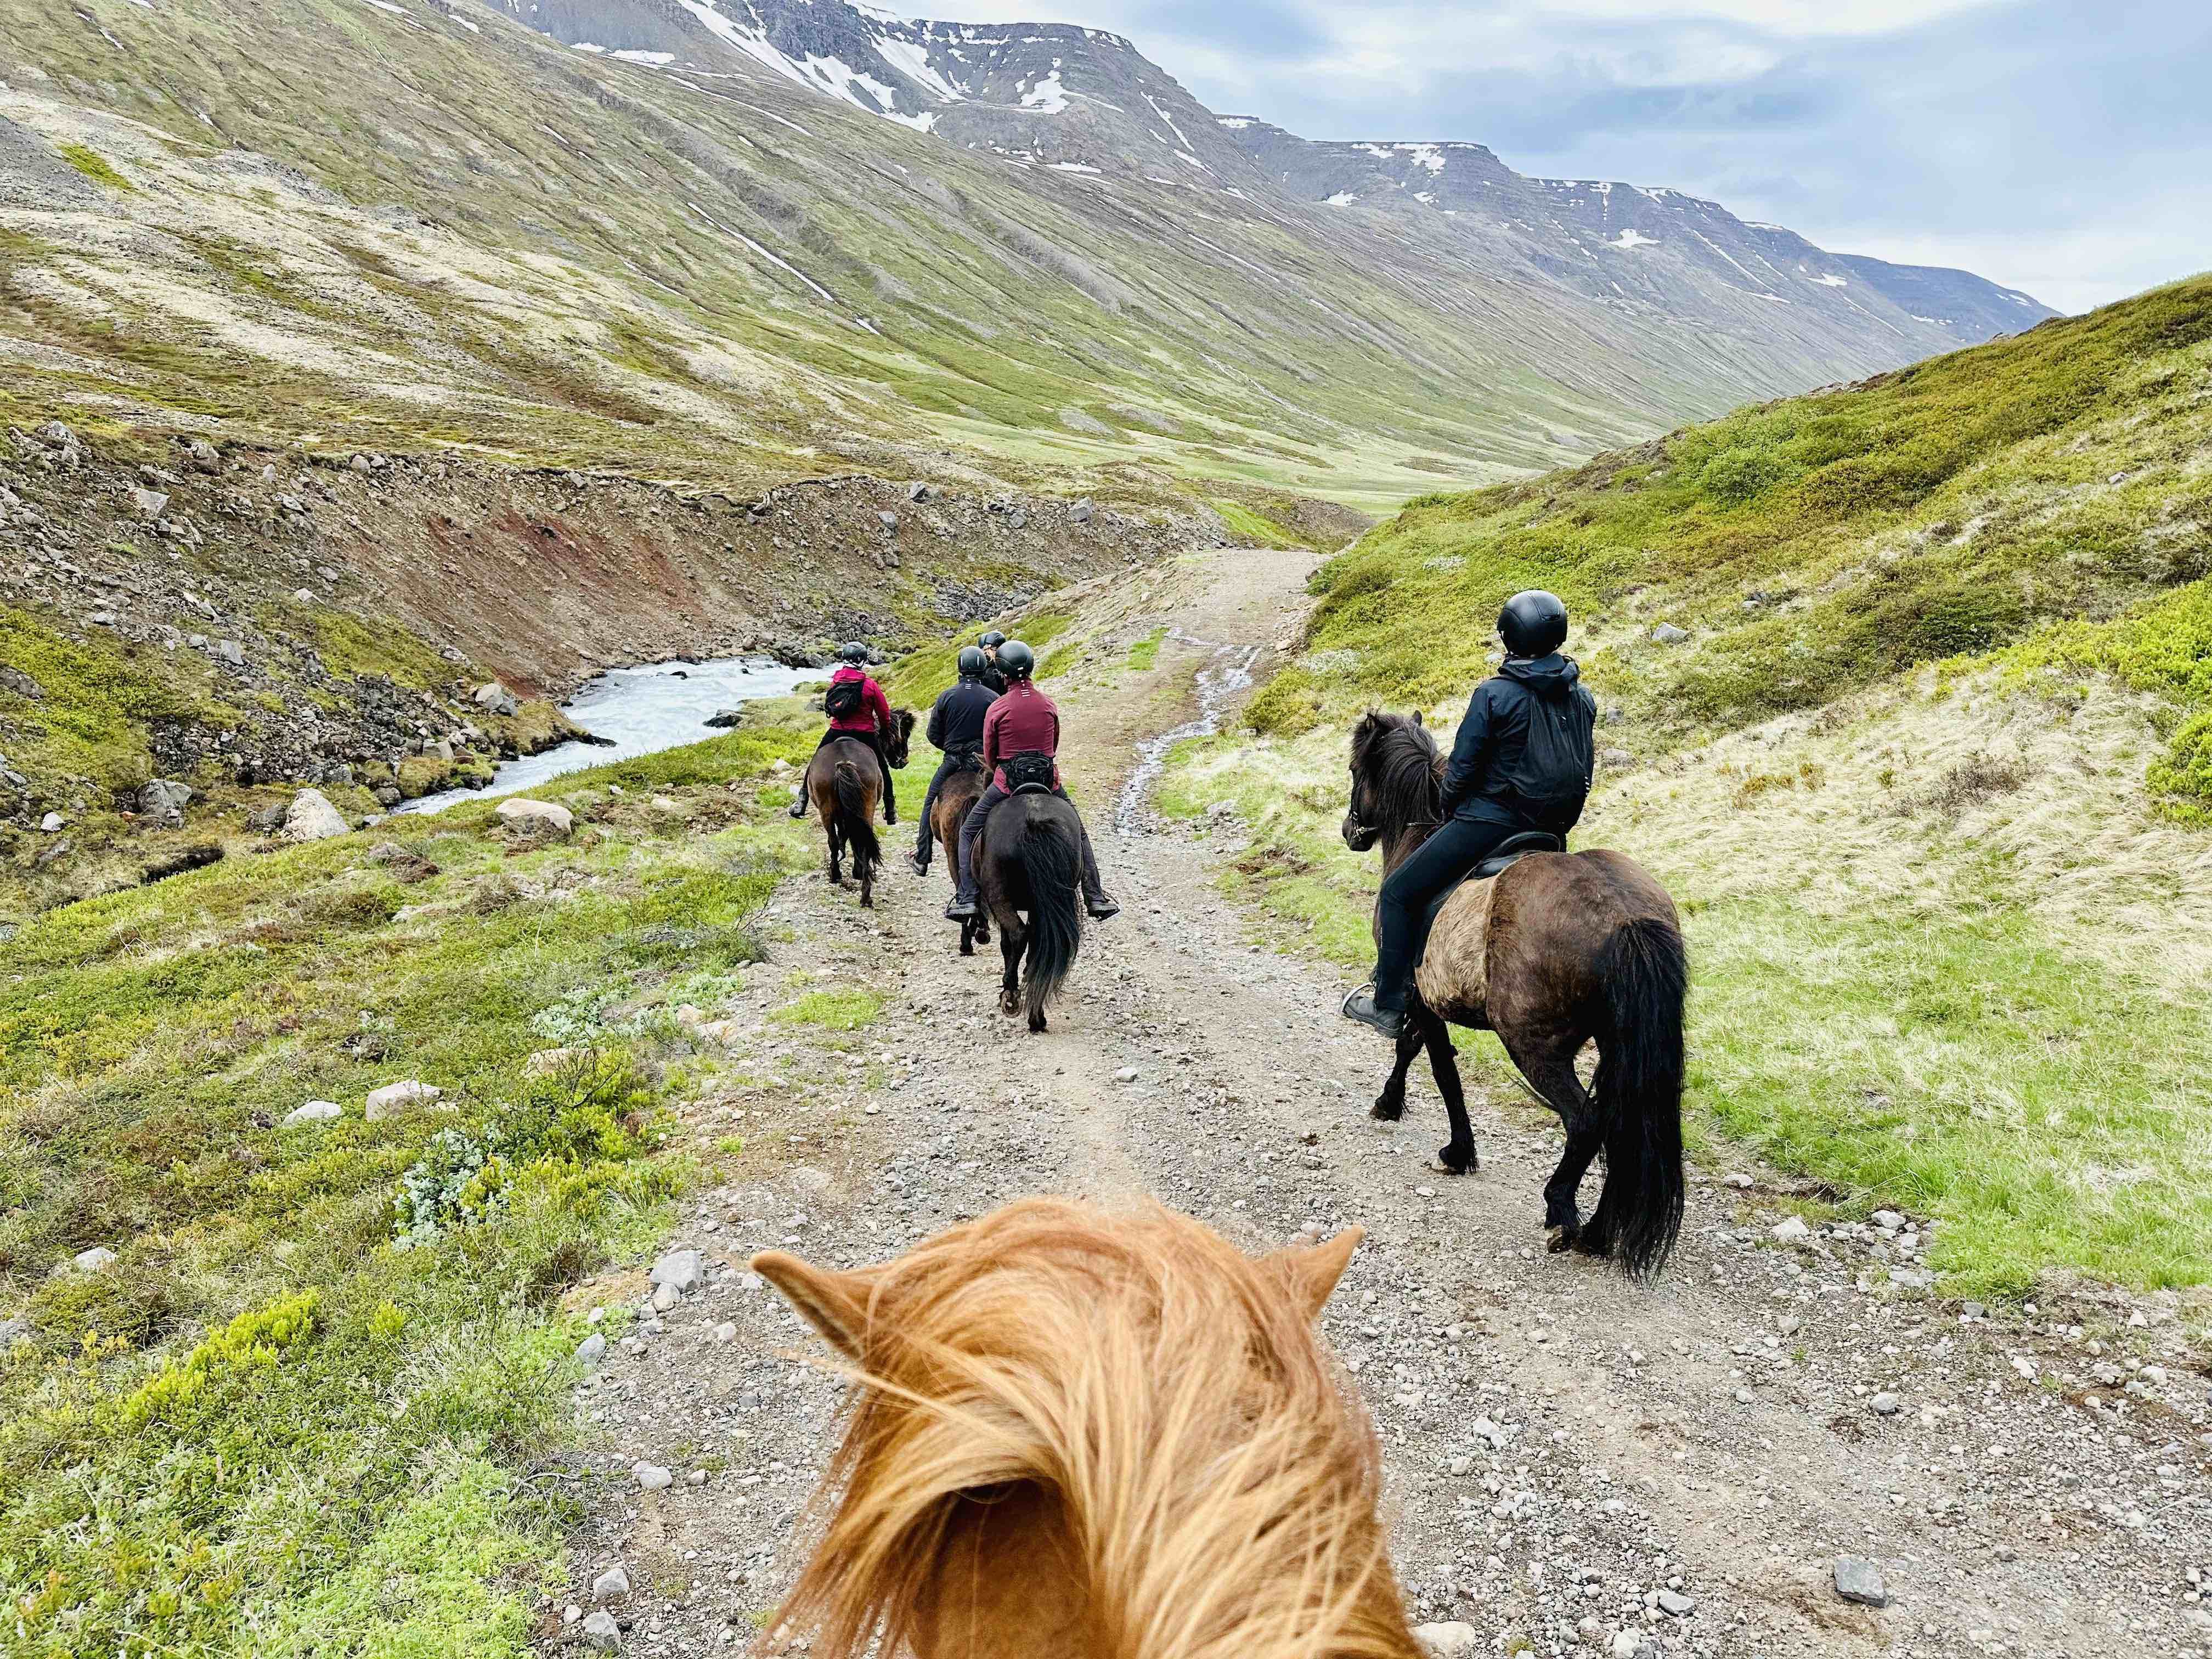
{"x": 1560, "y": 949}
{"x": 956, "y": 796}
{"x": 844, "y": 782}
{"x": 1029, "y": 858}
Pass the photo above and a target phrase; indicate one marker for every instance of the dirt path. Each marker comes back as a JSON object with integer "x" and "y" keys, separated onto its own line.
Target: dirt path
{"x": 1577, "y": 1465}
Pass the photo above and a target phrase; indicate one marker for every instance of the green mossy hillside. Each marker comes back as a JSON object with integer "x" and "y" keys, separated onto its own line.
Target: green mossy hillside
{"x": 1813, "y": 546}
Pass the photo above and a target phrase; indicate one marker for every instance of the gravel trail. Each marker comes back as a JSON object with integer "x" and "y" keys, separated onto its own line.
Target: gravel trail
{"x": 1577, "y": 1465}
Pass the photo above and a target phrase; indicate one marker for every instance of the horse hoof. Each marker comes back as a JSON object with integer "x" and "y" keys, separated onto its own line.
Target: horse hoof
{"x": 1456, "y": 1160}
{"x": 1036, "y": 1025}
{"x": 1386, "y": 1111}
{"x": 1588, "y": 1243}
{"x": 1558, "y": 1240}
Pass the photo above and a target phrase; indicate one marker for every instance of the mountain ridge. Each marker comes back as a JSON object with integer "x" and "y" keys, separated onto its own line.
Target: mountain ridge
{"x": 1009, "y": 88}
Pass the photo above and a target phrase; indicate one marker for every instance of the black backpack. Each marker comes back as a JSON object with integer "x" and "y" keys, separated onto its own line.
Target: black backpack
{"x": 1031, "y": 769}
{"x": 843, "y": 699}
{"x": 1554, "y": 778}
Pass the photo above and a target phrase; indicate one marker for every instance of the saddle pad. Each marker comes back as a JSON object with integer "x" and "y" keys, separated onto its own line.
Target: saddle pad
{"x": 1454, "y": 973}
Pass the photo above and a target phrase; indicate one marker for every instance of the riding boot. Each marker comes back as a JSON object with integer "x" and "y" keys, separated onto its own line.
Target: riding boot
{"x": 1095, "y": 899}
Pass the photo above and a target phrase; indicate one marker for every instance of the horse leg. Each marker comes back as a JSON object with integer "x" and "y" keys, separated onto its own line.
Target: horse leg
{"x": 1390, "y": 1105}
{"x": 968, "y": 937}
{"x": 1458, "y": 1155}
{"x": 836, "y": 854}
{"x": 1549, "y": 1066}
{"x": 1013, "y": 943}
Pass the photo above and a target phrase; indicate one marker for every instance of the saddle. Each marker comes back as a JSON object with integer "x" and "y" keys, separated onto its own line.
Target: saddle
{"x": 1460, "y": 989}
{"x": 1030, "y": 772}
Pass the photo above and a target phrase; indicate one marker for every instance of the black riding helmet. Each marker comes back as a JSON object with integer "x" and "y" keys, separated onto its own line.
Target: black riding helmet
{"x": 972, "y": 662}
{"x": 853, "y": 652}
{"x": 1018, "y": 661}
{"x": 1534, "y": 623}
{"x": 992, "y": 639}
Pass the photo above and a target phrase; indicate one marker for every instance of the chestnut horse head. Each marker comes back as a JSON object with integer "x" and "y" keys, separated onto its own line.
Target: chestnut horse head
{"x": 1095, "y": 1436}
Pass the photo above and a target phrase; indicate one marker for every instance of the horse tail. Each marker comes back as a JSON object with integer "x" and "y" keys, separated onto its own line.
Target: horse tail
{"x": 857, "y": 818}
{"x": 1638, "y": 1089}
{"x": 1051, "y": 864}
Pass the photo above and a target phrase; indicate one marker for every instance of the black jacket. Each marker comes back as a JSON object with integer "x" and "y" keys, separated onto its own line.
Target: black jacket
{"x": 956, "y": 719}
{"x": 1524, "y": 754}
{"x": 994, "y": 681}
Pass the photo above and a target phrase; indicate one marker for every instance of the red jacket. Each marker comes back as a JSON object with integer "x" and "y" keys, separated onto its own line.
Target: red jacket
{"x": 1023, "y": 718}
{"x": 874, "y": 713}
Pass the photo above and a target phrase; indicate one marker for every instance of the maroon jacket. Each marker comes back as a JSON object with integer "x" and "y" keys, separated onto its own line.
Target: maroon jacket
{"x": 874, "y": 713}
{"x": 1023, "y": 718}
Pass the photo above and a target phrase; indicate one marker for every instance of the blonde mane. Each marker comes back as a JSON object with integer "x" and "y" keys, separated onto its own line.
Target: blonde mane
{"x": 1214, "y": 1478}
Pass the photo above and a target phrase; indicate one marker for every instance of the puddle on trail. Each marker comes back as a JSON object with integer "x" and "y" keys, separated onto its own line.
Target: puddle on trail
{"x": 640, "y": 711}
{"x": 1229, "y": 673}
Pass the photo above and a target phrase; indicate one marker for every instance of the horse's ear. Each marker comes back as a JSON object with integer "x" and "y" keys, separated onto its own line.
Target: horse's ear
{"x": 835, "y": 1303}
{"x": 1314, "y": 1269}
{"x": 1417, "y": 717}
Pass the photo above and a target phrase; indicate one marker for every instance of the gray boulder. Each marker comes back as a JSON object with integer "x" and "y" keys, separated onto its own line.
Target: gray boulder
{"x": 543, "y": 816}
{"x": 315, "y": 1111}
{"x": 398, "y": 1097}
{"x": 1668, "y": 633}
{"x": 164, "y": 801}
{"x": 889, "y": 520}
{"x": 147, "y": 503}
{"x": 1083, "y": 512}
{"x": 1453, "y": 1641}
{"x": 601, "y": 1632}
{"x": 685, "y": 1270}
{"x": 614, "y": 1581}
{"x": 1861, "y": 1581}
{"x": 98, "y": 1259}
{"x": 496, "y": 699}
{"x": 312, "y": 818}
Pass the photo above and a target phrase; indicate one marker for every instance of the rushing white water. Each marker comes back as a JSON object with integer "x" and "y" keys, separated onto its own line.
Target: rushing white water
{"x": 640, "y": 711}
{"x": 1229, "y": 673}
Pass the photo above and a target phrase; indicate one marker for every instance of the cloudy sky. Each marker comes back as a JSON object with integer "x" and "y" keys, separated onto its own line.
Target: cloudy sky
{"x": 2060, "y": 146}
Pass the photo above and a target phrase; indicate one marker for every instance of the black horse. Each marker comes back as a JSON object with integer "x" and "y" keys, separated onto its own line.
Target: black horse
{"x": 1560, "y": 950}
{"x": 1030, "y": 860}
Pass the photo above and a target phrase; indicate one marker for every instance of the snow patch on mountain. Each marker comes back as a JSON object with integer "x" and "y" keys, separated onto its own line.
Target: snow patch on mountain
{"x": 1046, "y": 96}
{"x": 1633, "y": 237}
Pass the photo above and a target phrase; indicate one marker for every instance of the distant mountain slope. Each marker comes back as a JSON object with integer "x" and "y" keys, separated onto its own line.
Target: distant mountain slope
{"x": 1079, "y": 99}
{"x": 688, "y": 243}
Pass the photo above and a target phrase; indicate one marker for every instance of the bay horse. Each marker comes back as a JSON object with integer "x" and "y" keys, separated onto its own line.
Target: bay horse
{"x": 956, "y": 796}
{"x": 1559, "y": 949}
{"x": 1029, "y": 858}
{"x": 844, "y": 782}
{"x": 1092, "y": 1437}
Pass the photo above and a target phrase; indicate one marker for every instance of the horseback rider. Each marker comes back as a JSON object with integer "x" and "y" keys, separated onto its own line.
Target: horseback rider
{"x": 956, "y": 726}
{"x": 858, "y": 710}
{"x": 1522, "y": 762}
{"x": 992, "y": 675}
{"x": 1023, "y": 721}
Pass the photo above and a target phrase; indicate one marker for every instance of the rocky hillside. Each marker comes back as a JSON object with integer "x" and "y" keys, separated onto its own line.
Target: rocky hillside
{"x": 190, "y": 633}
{"x": 428, "y": 224}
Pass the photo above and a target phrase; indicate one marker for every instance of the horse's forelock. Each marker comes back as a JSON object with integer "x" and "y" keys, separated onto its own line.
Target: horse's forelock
{"x": 1004, "y": 1338}
{"x": 1397, "y": 756}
